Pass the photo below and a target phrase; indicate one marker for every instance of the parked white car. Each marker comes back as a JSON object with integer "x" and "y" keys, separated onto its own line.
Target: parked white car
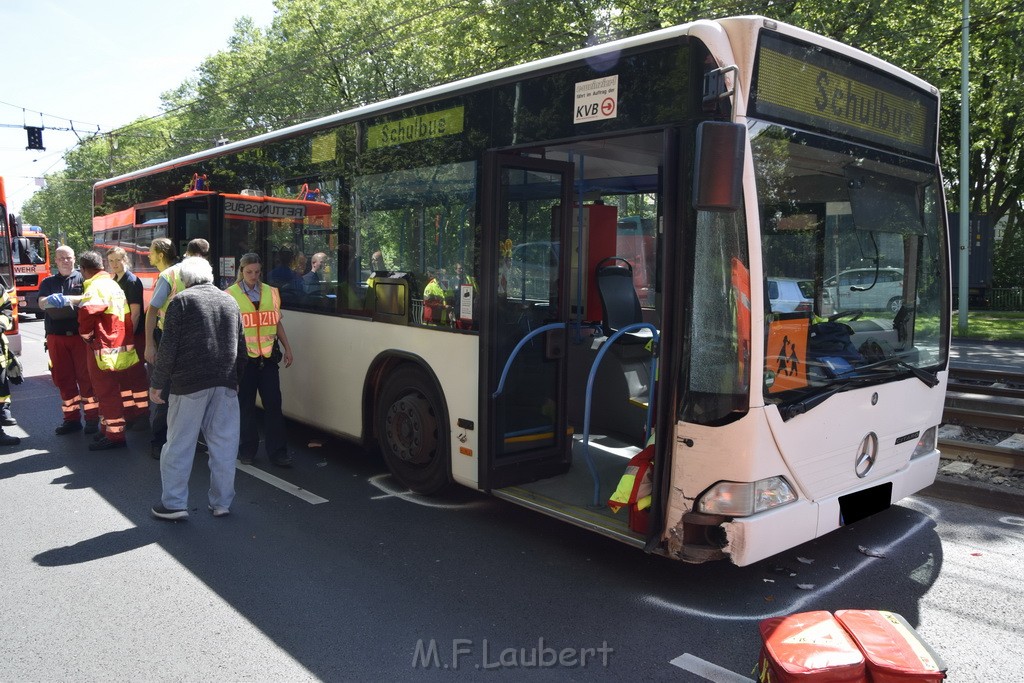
{"x": 858, "y": 289}
{"x": 788, "y": 295}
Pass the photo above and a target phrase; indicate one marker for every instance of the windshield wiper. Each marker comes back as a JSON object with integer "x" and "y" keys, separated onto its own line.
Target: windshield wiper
{"x": 838, "y": 384}
{"x": 927, "y": 377}
{"x": 850, "y": 379}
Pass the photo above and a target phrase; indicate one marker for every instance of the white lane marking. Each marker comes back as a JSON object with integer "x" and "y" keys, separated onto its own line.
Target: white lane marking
{"x": 810, "y": 598}
{"x": 707, "y": 670}
{"x": 285, "y": 486}
{"x": 385, "y": 483}
{"x": 1012, "y": 521}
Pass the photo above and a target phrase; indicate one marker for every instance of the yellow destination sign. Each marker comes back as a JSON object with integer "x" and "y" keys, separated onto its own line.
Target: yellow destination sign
{"x": 827, "y": 98}
{"x": 812, "y": 87}
{"x": 414, "y": 128}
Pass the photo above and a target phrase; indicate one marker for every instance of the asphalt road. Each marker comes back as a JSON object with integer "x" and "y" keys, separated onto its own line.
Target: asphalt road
{"x": 1005, "y": 356}
{"x": 328, "y": 572}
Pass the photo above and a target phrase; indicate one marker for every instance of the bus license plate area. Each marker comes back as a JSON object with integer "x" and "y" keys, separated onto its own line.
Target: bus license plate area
{"x": 856, "y": 506}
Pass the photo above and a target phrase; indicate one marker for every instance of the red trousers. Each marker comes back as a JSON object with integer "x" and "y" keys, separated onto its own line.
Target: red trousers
{"x": 139, "y": 382}
{"x": 70, "y": 360}
{"x": 110, "y": 386}
{"x": 135, "y": 398}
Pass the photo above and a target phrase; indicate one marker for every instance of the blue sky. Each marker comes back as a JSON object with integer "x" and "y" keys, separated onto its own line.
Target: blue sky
{"x": 98, "y": 64}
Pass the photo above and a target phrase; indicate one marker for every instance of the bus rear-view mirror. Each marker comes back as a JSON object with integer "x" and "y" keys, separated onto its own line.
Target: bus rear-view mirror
{"x": 718, "y": 167}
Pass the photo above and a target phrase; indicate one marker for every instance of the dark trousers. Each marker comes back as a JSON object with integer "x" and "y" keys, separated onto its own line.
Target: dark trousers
{"x": 263, "y": 377}
{"x": 158, "y": 420}
{"x": 158, "y": 411}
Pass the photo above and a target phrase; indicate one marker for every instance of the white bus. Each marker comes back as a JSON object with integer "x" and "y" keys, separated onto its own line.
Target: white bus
{"x": 535, "y": 276}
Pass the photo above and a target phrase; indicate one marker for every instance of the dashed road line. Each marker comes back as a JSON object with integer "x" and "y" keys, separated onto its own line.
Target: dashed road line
{"x": 707, "y": 670}
{"x": 285, "y": 486}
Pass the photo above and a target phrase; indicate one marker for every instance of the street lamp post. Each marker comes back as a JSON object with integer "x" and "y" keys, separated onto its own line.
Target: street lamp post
{"x": 965, "y": 202}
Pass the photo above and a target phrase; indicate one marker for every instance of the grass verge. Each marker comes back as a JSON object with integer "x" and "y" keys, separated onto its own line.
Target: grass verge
{"x": 991, "y": 326}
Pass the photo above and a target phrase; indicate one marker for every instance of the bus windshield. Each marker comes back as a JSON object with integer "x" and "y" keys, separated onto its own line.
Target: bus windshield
{"x": 853, "y": 248}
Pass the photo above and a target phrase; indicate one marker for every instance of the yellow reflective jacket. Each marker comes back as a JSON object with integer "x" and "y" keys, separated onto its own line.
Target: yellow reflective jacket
{"x": 260, "y": 324}
{"x": 172, "y": 276}
{"x": 104, "y": 321}
{"x": 636, "y": 484}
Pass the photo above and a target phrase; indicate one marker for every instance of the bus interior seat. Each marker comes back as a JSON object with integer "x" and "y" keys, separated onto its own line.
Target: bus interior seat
{"x": 620, "y": 305}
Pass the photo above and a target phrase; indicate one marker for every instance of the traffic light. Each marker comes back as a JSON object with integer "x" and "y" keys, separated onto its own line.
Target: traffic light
{"x": 35, "y": 138}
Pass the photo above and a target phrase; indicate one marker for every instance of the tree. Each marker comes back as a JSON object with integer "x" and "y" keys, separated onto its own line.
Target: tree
{"x": 64, "y": 207}
{"x": 323, "y": 56}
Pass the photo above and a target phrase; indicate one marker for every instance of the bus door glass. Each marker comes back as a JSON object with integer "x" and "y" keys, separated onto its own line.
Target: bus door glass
{"x": 190, "y": 219}
{"x": 527, "y": 323}
{"x": 239, "y": 235}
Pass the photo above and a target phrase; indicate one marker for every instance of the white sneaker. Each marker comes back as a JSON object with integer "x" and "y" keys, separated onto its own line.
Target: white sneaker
{"x": 219, "y": 512}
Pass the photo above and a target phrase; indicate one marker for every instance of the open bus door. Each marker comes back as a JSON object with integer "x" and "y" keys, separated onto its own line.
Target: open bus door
{"x": 525, "y": 320}
{"x": 189, "y": 218}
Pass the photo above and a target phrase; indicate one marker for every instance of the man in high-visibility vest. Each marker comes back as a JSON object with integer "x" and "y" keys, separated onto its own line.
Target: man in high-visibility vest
{"x": 105, "y": 323}
{"x": 162, "y": 256}
{"x": 435, "y": 308}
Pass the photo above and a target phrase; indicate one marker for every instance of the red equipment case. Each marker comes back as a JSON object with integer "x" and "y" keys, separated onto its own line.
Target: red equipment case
{"x": 854, "y": 646}
{"x": 894, "y": 651}
{"x": 812, "y": 647}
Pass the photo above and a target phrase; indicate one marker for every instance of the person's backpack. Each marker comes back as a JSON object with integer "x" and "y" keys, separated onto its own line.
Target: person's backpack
{"x": 832, "y": 340}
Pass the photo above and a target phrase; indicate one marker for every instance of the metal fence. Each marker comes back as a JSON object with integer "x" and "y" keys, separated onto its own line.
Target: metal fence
{"x": 1006, "y": 299}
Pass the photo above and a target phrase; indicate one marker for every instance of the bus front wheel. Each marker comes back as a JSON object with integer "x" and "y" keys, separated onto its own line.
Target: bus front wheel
{"x": 411, "y": 431}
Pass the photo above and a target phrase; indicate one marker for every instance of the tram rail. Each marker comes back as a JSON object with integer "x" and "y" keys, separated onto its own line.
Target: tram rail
{"x": 985, "y": 454}
{"x": 986, "y": 399}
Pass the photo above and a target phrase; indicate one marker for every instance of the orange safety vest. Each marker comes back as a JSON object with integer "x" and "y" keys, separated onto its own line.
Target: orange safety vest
{"x": 741, "y": 293}
{"x": 260, "y": 324}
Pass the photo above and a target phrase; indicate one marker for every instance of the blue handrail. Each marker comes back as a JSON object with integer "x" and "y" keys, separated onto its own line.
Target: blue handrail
{"x": 590, "y": 390}
{"x": 655, "y": 338}
{"x": 518, "y": 348}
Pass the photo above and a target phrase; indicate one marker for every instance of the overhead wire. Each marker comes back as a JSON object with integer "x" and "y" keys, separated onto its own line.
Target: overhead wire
{"x": 738, "y": 6}
{"x": 369, "y": 43}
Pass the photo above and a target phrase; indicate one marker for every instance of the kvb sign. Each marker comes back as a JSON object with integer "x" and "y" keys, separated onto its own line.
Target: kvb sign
{"x": 596, "y": 100}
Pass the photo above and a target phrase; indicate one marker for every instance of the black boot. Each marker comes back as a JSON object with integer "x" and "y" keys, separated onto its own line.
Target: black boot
{"x": 67, "y": 427}
{"x": 8, "y": 440}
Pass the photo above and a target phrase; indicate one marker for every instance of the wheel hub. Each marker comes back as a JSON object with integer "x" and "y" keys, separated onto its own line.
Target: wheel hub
{"x": 408, "y": 424}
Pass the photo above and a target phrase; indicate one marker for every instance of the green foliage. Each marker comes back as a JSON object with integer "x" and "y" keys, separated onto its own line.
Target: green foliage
{"x": 323, "y": 56}
{"x": 64, "y": 208}
{"x": 59, "y": 210}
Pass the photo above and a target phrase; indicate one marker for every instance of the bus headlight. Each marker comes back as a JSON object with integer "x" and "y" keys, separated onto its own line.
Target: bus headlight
{"x": 741, "y": 499}
{"x": 927, "y": 443}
